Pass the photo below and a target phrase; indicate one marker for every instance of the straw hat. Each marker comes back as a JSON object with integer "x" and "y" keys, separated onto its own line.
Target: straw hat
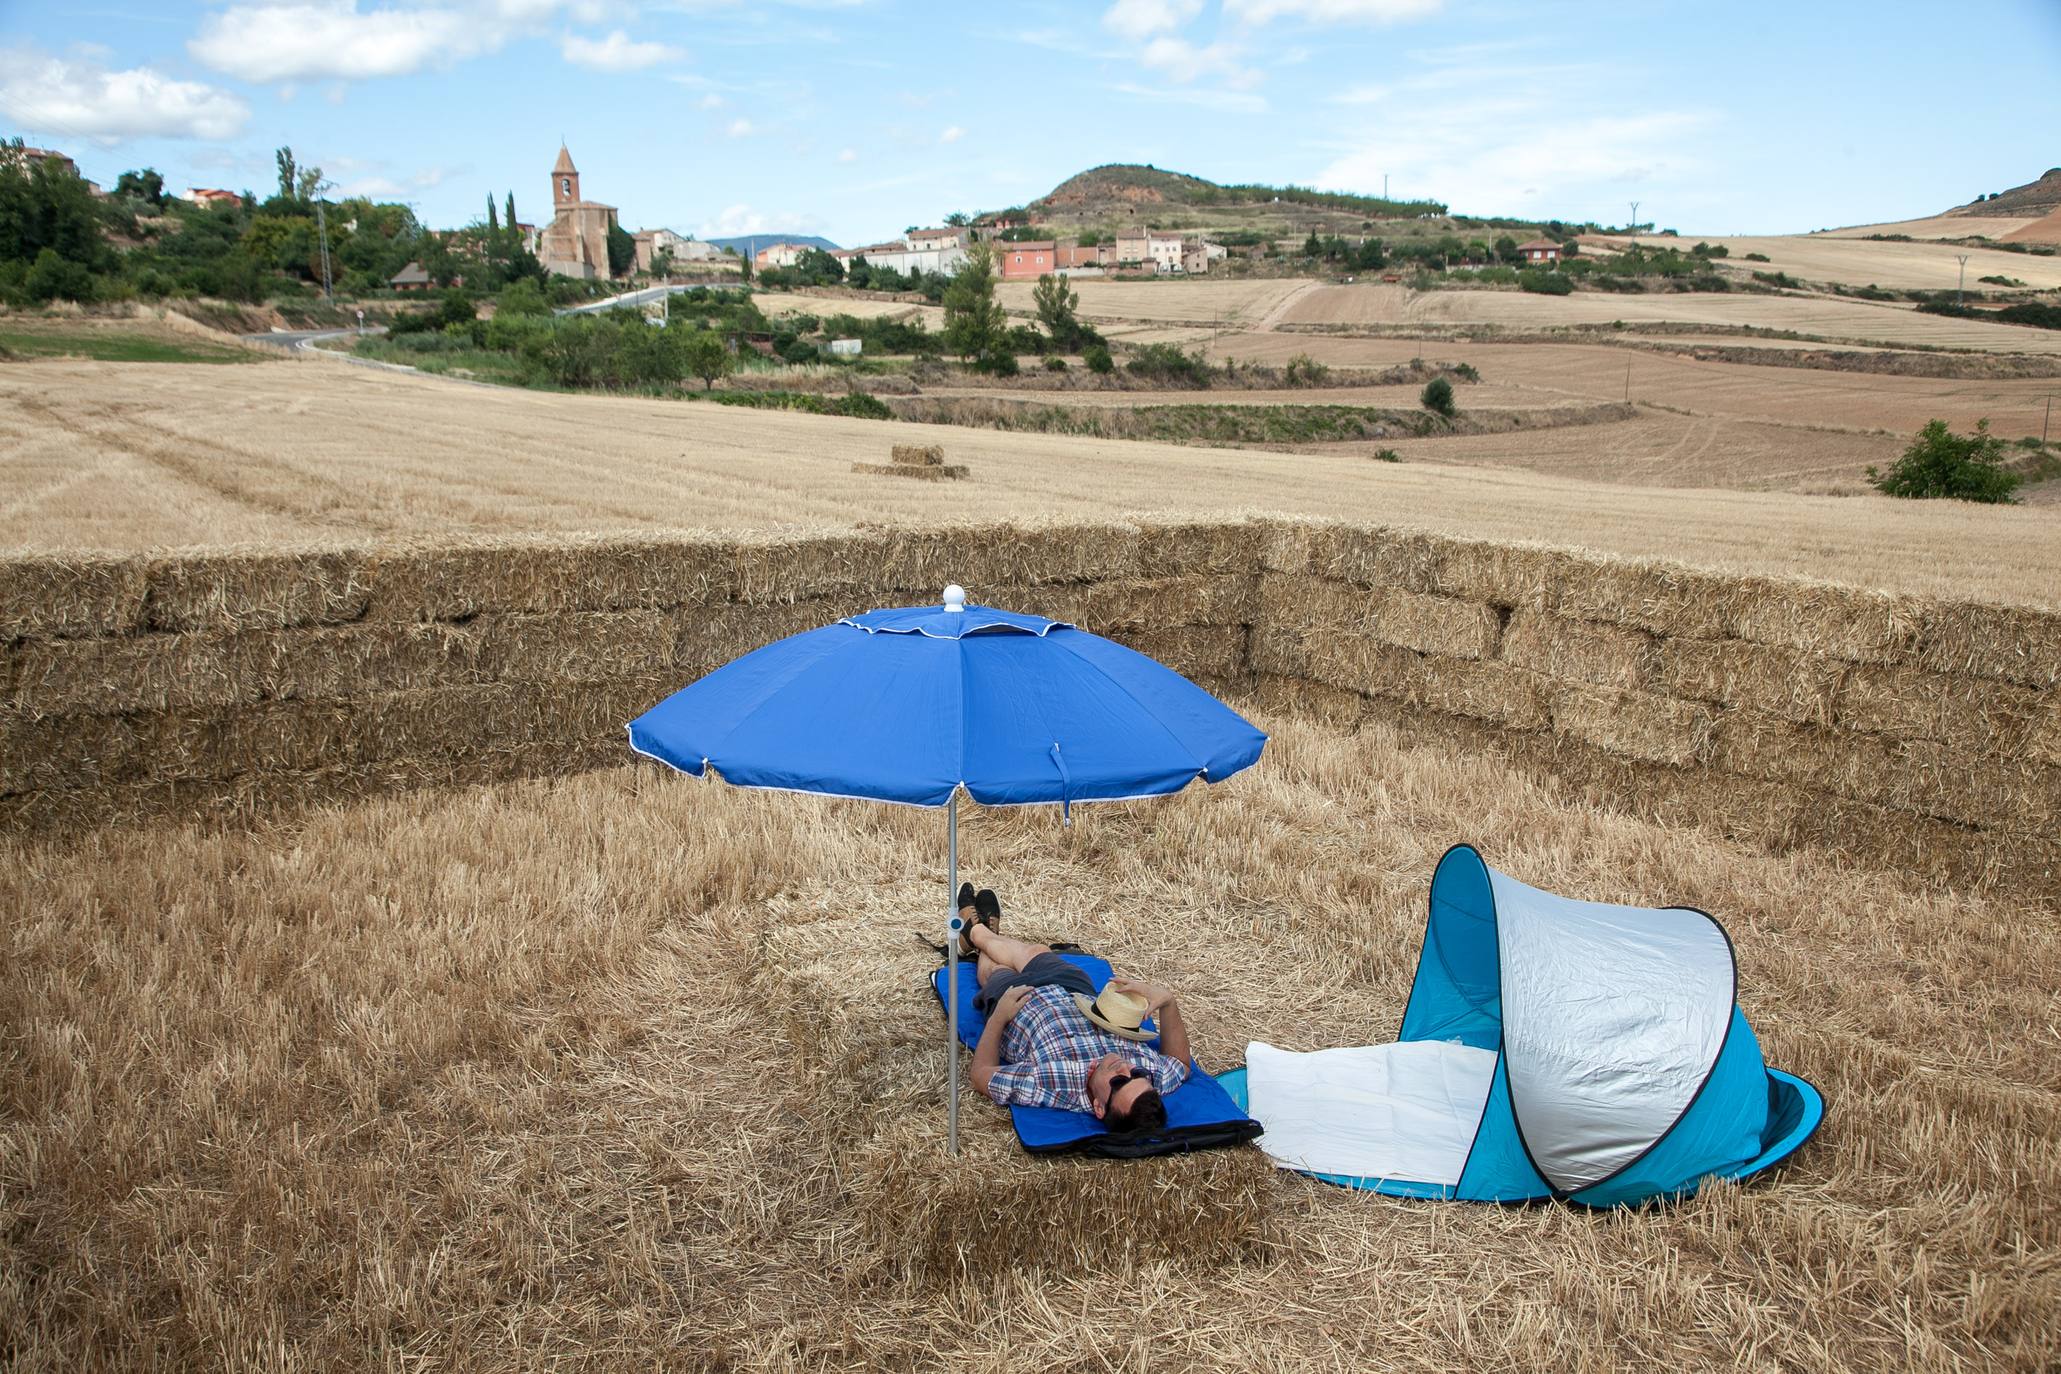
{"x": 1119, "y": 1013}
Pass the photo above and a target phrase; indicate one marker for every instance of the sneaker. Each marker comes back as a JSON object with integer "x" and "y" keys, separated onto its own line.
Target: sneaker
{"x": 988, "y": 908}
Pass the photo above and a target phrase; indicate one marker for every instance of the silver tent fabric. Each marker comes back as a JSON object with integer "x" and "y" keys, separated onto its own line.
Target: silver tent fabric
{"x": 1612, "y": 1019}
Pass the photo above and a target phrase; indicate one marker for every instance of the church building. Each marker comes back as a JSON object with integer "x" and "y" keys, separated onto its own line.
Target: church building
{"x": 575, "y": 243}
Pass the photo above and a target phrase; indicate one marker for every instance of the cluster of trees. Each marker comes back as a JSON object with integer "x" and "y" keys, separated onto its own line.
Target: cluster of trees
{"x": 1940, "y": 464}
{"x": 979, "y": 333}
{"x": 815, "y": 267}
{"x": 59, "y": 241}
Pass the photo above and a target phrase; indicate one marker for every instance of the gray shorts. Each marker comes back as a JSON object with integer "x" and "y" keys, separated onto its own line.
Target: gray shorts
{"x": 1043, "y": 971}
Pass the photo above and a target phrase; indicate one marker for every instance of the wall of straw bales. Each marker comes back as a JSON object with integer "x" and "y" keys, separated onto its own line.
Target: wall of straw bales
{"x": 1922, "y": 734}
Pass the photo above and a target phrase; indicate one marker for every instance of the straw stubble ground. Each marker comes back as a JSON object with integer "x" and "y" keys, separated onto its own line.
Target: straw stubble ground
{"x": 623, "y": 1071}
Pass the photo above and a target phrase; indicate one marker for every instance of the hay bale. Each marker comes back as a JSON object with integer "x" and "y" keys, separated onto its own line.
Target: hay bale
{"x": 1297, "y": 695}
{"x": 1833, "y": 622}
{"x": 1199, "y": 548}
{"x": 1637, "y": 725}
{"x": 921, "y": 474}
{"x": 1786, "y": 683}
{"x": 1975, "y": 715}
{"x": 1429, "y": 624}
{"x": 1111, "y": 608}
{"x": 1578, "y": 651}
{"x": 1655, "y": 597}
{"x": 71, "y": 597}
{"x": 918, "y": 455}
{"x": 249, "y": 591}
{"x": 2008, "y": 643}
{"x": 1206, "y": 651}
{"x": 1482, "y": 691}
{"x": 549, "y": 575}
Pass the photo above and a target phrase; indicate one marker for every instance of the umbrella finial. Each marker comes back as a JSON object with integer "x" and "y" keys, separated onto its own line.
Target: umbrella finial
{"x": 955, "y": 598}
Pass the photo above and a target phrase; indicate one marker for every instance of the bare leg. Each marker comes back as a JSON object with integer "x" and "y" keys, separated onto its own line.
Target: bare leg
{"x": 1005, "y": 951}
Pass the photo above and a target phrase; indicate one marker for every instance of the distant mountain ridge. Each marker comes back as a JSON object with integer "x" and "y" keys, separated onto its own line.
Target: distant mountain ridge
{"x": 747, "y": 243}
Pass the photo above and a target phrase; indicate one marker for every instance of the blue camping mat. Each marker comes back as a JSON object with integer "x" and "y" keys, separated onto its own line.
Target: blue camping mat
{"x": 1200, "y": 1115}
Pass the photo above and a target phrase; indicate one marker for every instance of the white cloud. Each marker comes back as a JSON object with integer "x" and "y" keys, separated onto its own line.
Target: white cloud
{"x": 951, "y": 135}
{"x": 372, "y": 188}
{"x": 741, "y": 128}
{"x": 1331, "y": 11}
{"x": 82, "y": 97}
{"x": 1143, "y": 18}
{"x": 1489, "y": 158}
{"x": 736, "y": 220}
{"x": 1182, "y": 61}
{"x": 848, "y": 155}
{"x": 618, "y": 52}
{"x": 283, "y": 40}
{"x": 712, "y": 101}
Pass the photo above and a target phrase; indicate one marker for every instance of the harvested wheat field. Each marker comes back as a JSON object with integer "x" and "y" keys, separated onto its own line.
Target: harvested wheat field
{"x": 624, "y": 1070}
{"x": 1807, "y": 397}
{"x": 1860, "y": 262}
{"x": 777, "y": 303}
{"x": 1947, "y": 226}
{"x": 120, "y": 458}
{"x": 1825, "y": 317}
{"x": 1664, "y": 449}
{"x": 1187, "y": 302}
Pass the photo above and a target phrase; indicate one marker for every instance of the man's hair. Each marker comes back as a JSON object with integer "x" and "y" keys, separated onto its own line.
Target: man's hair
{"x": 1148, "y": 1113}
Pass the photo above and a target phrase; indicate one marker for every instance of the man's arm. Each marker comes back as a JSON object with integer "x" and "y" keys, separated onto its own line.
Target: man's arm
{"x": 987, "y": 1055}
{"x": 1173, "y": 1031}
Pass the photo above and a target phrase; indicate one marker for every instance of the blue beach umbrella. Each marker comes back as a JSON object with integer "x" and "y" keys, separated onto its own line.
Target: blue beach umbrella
{"x": 919, "y": 704}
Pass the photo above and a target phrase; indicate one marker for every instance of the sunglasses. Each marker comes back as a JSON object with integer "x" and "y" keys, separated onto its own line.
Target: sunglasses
{"x": 1134, "y": 1076}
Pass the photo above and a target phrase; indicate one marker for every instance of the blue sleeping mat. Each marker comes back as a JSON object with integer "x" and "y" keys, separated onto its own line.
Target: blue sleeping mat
{"x": 1200, "y": 1115}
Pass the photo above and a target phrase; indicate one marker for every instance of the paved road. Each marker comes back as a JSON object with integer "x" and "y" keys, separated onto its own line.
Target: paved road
{"x": 629, "y": 299}
{"x": 303, "y": 339}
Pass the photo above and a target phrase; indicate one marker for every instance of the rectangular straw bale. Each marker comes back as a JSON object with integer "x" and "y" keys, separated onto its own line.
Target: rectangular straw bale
{"x": 1210, "y": 651}
{"x": 1430, "y": 624}
{"x": 1976, "y": 715}
{"x": 1376, "y": 557}
{"x": 257, "y": 590}
{"x": 68, "y": 596}
{"x": 1208, "y": 599}
{"x": 1655, "y": 597}
{"x": 1783, "y": 682}
{"x": 1027, "y": 556}
{"x": 2007, "y": 643}
{"x": 70, "y": 751}
{"x": 1279, "y": 651}
{"x": 907, "y": 471}
{"x": 705, "y": 639}
{"x": 1637, "y": 725}
{"x": 1834, "y": 622}
{"x": 1287, "y": 546}
{"x": 1333, "y": 706}
{"x": 1196, "y": 548}
{"x": 1507, "y": 575}
{"x": 2022, "y": 796}
{"x": 1482, "y": 691}
{"x": 918, "y": 455}
{"x": 576, "y": 573}
{"x": 2044, "y": 742}
{"x": 594, "y": 646}
{"x": 1578, "y": 651}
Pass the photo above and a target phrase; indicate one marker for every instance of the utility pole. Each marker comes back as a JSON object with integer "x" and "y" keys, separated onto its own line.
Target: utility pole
{"x": 1384, "y": 186}
{"x": 2043, "y": 420}
{"x": 322, "y": 229}
{"x": 1635, "y": 219}
{"x": 1961, "y": 291}
{"x": 1628, "y": 381}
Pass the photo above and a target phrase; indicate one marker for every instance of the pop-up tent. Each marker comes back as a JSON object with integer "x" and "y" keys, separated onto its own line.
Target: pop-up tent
{"x": 1550, "y": 1048}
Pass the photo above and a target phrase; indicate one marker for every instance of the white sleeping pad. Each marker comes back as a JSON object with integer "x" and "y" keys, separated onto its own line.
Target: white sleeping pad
{"x": 1405, "y": 1111}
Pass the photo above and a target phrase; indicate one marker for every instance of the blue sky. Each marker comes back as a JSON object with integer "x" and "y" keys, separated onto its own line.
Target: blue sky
{"x": 855, "y": 118}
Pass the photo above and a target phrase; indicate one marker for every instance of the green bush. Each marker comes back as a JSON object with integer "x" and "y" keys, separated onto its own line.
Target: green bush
{"x": 1757, "y": 257}
{"x": 1387, "y": 455}
{"x": 1055, "y": 364}
{"x": 1438, "y": 397}
{"x": 1781, "y": 279}
{"x": 1940, "y": 464}
{"x": 997, "y": 362}
{"x": 799, "y": 351}
{"x": 1544, "y": 283}
{"x": 1098, "y": 360}
{"x": 1169, "y": 365}
{"x": 1467, "y": 372}
{"x": 1303, "y": 370}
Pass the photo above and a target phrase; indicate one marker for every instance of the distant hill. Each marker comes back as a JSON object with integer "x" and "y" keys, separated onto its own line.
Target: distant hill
{"x": 1123, "y": 195}
{"x": 746, "y": 243}
{"x": 2034, "y": 198}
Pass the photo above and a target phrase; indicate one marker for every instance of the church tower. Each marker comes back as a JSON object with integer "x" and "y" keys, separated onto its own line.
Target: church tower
{"x": 565, "y": 180}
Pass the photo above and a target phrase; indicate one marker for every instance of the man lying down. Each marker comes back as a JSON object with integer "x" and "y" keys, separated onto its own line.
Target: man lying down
{"x": 1051, "y": 1042}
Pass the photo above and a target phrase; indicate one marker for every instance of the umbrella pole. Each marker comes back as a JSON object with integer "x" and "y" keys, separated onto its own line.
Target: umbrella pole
{"x": 952, "y": 973}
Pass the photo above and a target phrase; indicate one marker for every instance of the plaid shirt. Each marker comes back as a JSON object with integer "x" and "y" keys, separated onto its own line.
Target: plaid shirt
{"x": 1049, "y": 1048}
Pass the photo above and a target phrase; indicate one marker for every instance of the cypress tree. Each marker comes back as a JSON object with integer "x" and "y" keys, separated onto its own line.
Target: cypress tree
{"x": 493, "y": 221}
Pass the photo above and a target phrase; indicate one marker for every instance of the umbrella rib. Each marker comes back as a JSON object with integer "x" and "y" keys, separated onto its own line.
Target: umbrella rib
{"x": 1201, "y": 769}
